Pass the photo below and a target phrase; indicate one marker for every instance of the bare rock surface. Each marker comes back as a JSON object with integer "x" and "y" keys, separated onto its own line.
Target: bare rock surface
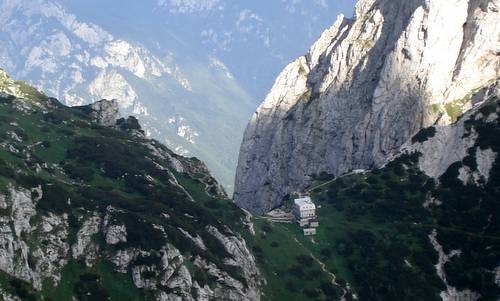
{"x": 363, "y": 89}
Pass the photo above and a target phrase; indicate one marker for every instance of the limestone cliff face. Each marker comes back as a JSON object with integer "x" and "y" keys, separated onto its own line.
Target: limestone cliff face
{"x": 365, "y": 87}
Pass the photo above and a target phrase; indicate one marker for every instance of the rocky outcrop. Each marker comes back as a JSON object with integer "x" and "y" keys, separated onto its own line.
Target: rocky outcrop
{"x": 240, "y": 257}
{"x": 31, "y": 252}
{"x": 105, "y": 112}
{"x": 452, "y": 143}
{"x": 451, "y": 293}
{"x": 85, "y": 248}
{"x": 189, "y": 166}
{"x": 33, "y": 247}
{"x": 363, "y": 89}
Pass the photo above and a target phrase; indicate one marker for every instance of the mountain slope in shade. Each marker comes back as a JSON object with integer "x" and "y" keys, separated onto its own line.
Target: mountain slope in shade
{"x": 363, "y": 89}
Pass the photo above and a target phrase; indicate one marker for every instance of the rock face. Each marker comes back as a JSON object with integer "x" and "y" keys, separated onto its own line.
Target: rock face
{"x": 363, "y": 89}
{"x": 456, "y": 142}
{"x": 105, "y": 112}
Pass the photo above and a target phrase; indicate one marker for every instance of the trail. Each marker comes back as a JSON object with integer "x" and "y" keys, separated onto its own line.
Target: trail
{"x": 321, "y": 185}
{"x": 323, "y": 268}
{"x": 333, "y": 180}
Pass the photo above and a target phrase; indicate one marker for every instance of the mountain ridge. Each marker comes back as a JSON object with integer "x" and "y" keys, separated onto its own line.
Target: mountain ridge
{"x": 365, "y": 87}
{"x": 94, "y": 210}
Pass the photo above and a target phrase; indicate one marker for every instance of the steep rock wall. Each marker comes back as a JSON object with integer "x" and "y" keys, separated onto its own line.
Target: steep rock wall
{"x": 365, "y": 87}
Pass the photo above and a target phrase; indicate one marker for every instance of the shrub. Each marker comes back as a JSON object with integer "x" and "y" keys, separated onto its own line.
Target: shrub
{"x": 202, "y": 278}
{"x": 267, "y": 228}
{"x": 78, "y": 171}
{"x": 297, "y": 271}
{"x": 89, "y": 288}
{"x": 305, "y": 260}
{"x": 424, "y": 135}
{"x": 257, "y": 249}
{"x": 326, "y": 253}
{"x": 291, "y": 286}
{"x": 23, "y": 290}
{"x": 311, "y": 293}
{"x": 330, "y": 291}
{"x": 54, "y": 199}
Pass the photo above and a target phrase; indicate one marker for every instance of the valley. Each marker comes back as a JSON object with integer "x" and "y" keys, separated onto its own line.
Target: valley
{"x": 371, "y": 170}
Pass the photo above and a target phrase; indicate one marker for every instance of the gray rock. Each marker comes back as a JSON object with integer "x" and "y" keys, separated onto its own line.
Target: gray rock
{"x": 18, "y": 257}
{"x": 113, "y": 233}
{"x": 104, "y": 112}
{"x": 240, "y": 257}
{"x": 451, "y": 143}
{"x": 363, "y": 89}
{"x": 52, "y": 254}
{"x": 36, "y": 250}
{"x": 85, "y": 247}
{"x": 451, "y": 293}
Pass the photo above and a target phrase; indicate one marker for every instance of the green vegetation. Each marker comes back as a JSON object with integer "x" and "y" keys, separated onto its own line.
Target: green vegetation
{"x": 374, "y": 231}
{"x": 366, "y": 233}
{"x": 424, "y": 135}
{"x": 373, "y": 235}
{"x": 307, "y": 95}
{"x": 283, "y": 254}
{"x": 455, "y": 109}
{"x": 97, "y": 283}
{"x": 17, "y": 287}
{"x": 29, "y": 92}
{"x": 84, "y": 168}
{"x": 436, "y": 108}
{"x": 471, "y": 211}
{"x": 22, "y": 89}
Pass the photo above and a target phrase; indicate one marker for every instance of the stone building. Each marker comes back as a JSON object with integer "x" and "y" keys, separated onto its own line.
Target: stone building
{"x": 304, "y": 213}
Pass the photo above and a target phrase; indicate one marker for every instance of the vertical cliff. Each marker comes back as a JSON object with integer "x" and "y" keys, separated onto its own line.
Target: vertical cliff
{"x": 363, "y": 89}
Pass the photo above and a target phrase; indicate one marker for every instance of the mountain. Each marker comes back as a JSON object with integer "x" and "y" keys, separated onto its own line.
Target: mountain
{"x": 424, "y": 226}
{"x": 91, "y": 209}
{"x": 190, "y": 70}
{"x": 390, "y": 123}
{"x": 363, "y": 90}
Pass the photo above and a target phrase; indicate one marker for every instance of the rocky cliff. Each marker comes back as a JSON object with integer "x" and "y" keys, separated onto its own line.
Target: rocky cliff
{"x": 363, "y": 89}
{"x": 92, "y": 210}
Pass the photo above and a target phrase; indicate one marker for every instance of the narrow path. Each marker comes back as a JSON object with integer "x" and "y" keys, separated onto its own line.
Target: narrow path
{"x": 321, "y": 264}
{"x": 321, "y": 185}
{"x": 333, "y": 180}
{"x": 325, "y": 270}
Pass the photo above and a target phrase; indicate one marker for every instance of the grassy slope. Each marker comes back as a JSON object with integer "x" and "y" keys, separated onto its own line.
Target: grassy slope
{"x": 374, "y": 232}
{"x": 96, "y": 167}
{"x": 47, "y": 137}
